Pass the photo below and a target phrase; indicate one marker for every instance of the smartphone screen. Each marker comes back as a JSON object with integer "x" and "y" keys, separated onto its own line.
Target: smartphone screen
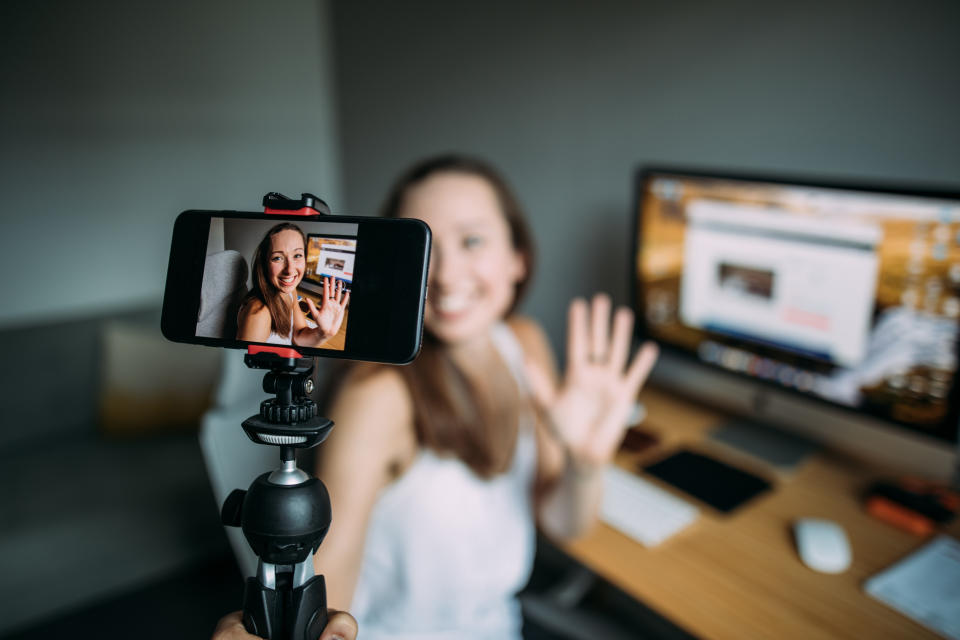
{"x": 335, "y": 286}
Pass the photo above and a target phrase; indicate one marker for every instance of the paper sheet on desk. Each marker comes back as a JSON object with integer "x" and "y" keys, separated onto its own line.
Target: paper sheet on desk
{"x": 924, "y": 586}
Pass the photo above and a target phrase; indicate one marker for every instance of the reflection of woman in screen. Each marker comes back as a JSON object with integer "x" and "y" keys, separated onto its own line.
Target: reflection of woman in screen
{"x": 270, "y": 312}
{"x": 442, "y": 468}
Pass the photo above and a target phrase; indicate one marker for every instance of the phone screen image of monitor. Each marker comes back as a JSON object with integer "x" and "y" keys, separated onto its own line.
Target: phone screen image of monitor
{"x": 330, "y": 257}
{"x": 254, "y": 273}
{"x": 849, "y": 296}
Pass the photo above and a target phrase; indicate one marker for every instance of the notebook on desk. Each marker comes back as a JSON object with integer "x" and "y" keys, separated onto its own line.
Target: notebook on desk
{"x": 924, "y": 586}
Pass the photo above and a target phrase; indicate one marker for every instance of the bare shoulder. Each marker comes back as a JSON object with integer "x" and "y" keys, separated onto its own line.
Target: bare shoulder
{"x": 253, "y": 308}
{"x": 532, "y": 338}
{"x": 253, "y": 321}
{"x": 375, "y": 402}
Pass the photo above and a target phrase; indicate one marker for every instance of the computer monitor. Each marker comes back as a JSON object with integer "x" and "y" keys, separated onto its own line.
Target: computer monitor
{"x": 329, "y": 256}
{"x": 826, "y": 309}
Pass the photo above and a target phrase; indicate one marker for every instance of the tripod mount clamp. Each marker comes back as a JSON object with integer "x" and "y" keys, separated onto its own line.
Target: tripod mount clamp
{"x": 290, "y": 419}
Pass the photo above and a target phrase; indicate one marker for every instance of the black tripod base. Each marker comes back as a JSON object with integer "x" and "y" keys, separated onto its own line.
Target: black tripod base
{"x": 298, "y": 614}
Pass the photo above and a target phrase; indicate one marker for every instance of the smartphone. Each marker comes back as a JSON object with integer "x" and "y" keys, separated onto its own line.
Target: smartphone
{"x": 229, "y": 269}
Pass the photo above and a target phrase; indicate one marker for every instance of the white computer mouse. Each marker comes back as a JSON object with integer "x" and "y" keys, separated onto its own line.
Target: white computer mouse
{"x": 822, "y": 545}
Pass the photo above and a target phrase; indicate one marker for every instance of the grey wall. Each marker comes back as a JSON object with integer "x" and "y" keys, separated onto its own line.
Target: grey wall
{"x": 118, "y": 115}
{"x": 569, "y": 97}
{"x": 115, "y": 116}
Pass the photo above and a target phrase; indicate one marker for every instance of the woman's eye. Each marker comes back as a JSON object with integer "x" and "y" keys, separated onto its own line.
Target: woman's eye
{"x": 276, "y": 259}
{"x": 471, "y": 242}
{"x": 298, "y": 256}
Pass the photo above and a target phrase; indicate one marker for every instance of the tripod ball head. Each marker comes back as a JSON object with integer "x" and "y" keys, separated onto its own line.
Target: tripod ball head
{"x": 282, "y": 523}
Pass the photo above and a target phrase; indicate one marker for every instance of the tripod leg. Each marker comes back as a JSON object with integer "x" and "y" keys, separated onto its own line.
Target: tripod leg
{"x": 261, "y": 610}
{"x": 308, "y": 610}
{"x": 298, "y": 614}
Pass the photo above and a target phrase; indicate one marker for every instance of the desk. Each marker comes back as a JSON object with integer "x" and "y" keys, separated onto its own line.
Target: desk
{"x": 739, "y": 576}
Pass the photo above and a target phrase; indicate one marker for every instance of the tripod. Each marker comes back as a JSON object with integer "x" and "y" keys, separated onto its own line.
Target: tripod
{"x": 285, "y": 514}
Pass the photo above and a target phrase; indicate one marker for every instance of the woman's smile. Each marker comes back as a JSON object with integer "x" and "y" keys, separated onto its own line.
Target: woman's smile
{"x": 452, "y": 304}
{"x": 288, "y": 281}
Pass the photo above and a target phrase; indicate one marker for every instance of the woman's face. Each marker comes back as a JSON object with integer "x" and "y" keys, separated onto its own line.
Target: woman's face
{"x": 473, "y": 265}
{"x": 287, "y": 260}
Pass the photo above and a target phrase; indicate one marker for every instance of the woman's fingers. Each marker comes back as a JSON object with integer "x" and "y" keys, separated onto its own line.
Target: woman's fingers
{"x": 230, "y": 627}
{"x": 340, "y": 624}
{"x": 345, "y": 301}
{"x": 589, "y": 338}
{"x": 326, "y": 288}
{"x": 577, "y": 338}
{"x": 599, "y": 329}
{"x": 622, "y": 336}
{"x": 641, "y": 366}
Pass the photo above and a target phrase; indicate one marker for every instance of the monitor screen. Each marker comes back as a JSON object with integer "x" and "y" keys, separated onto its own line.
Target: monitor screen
{"x": 847, "y": 295}
{"x": 330, "y": 256}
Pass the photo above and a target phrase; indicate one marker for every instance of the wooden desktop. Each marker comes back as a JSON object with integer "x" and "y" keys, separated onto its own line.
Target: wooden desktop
{"x": 739, "y": 576}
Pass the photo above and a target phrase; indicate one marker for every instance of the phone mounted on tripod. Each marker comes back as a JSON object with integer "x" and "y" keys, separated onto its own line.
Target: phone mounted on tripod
{"x": 363, "y": 281}
{"x": 285, "y": 513}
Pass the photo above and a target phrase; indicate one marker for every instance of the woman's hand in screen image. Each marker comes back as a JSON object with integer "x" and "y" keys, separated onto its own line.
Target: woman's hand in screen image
{"x": 589, "y": 408}
{"x": 328, "y": 316}
{"x": 340, "y": 625}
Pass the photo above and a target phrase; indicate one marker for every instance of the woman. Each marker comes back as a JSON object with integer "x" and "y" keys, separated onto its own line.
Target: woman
{"x": 270, "y": 312}
{"x": 439, "y": 470}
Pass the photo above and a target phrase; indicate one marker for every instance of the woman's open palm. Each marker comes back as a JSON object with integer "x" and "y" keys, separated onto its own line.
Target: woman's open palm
{"x": 329, "y": 316}
{"x": 589, "y": 408}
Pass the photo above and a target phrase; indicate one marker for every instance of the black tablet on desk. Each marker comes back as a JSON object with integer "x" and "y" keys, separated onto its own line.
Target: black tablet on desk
{"x": 715, "y": 483}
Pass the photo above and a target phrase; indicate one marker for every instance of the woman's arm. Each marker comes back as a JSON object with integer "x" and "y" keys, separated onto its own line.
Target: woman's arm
{"x": 253, "y": 322}
{"x": 564, "y": 499}
{"x": 373, "y": 436}
{"x": 583, "y": 417}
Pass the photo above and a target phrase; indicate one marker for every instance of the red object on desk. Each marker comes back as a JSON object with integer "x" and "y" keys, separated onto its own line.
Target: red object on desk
{"x": 899, "y": 516}
{"x": 913, "y": 504}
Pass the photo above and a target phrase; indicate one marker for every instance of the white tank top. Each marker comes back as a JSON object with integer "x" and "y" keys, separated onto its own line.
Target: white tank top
{"x": 446, "y": 551}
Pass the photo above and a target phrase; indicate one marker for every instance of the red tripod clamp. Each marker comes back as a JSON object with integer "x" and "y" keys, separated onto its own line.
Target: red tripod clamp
{"x": 308, "y": 205}
{"x": 283, "y": 352}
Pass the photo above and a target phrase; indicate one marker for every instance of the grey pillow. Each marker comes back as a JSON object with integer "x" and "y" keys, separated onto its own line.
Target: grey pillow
{"x": 224, "y": 285}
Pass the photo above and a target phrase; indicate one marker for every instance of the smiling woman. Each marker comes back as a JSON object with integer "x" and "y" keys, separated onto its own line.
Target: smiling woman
{"x": 269, "y": 313}
{"x": 444, "y": 466}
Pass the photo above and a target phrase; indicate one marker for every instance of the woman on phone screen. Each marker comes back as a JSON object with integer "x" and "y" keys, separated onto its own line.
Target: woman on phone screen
{"x": 270, "y": 312}
{"x": 441, "y": 469}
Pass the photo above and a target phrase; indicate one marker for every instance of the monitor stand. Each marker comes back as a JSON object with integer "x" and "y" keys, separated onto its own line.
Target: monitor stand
{"x": 783, "y": 450}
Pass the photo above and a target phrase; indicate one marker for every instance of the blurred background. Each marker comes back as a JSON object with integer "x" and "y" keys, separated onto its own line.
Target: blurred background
{"x": 116, "y": 116}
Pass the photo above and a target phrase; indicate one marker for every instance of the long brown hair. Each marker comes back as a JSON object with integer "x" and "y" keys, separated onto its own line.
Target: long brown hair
{"x": 263, "y": 289}
{"x": 450, "y": 414}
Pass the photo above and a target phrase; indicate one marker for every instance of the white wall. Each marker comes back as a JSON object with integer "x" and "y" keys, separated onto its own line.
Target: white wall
{"x": 118, "y": 115}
